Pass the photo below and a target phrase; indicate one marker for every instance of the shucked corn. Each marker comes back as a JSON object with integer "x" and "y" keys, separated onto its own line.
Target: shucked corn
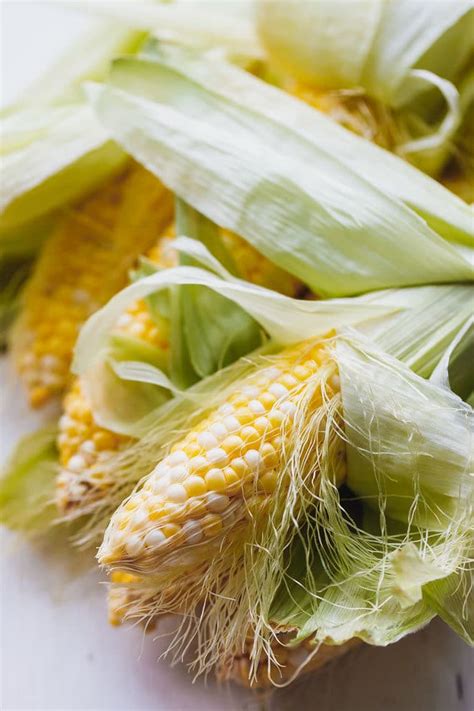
{"x": 85, "y": 261}
{"x": 223, "y": 471}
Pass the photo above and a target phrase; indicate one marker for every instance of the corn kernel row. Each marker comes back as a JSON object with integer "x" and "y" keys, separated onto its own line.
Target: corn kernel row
{"x": 222, "y": 471}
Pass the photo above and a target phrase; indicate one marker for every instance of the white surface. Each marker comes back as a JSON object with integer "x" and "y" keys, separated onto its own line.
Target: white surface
{"x": 58, "y": 651}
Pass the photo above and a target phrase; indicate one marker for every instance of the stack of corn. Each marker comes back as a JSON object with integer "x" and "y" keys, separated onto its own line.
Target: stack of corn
{"x": 85, "y": 261}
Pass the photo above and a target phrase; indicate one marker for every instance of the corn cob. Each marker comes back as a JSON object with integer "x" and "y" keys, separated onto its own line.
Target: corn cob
{"x": 85, "y": 261}
{"x": 224, "y": 471}
{"x": 287, "y": 663}
{"x": 82, "y": 443}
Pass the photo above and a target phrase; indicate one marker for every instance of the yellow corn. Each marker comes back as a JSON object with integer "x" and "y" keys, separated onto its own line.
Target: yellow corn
{"x": 288, "y": 662}
{"x": 85, "y": 261}
{"x": 82, "y": 443}
{"x": 223, "y": 471}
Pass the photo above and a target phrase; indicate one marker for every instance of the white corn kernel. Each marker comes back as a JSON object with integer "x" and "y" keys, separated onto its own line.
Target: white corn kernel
{"x": 192, "y": 531}
{"x": 231, "y": 423}
{"x": 197, "y": 463}
{"x": 226, "y": 409}
{"x": 207, "y": 440}
{"x": 178, "y": 473}
{"x": 253, "y": 458}
{"x": 219, "y": 430}
{"x": 176, "y": 493}
{"x": 76, "y": 464}
{"x": 278, "y": 390}
{"x": 88, "y": 446}
{"x": 154, "y": 538}
{"x": 217, "y": 502}
{"x": 138, "y": 519}
{"x": 288, "y": 407}
{"x": 178, "y": 457}
{"x": 257, "y": 407}
{"x": 217, "y": 456}
{"x": 250, "y": 391}
{"x": 133, "y": 545}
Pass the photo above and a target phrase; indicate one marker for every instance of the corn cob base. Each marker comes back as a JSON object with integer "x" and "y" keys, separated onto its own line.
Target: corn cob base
{"x": 288, "y": 664}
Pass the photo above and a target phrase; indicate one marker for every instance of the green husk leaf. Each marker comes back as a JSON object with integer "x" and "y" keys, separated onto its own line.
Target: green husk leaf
{"x": 452, "y": 598}
{"x": 300, "y": 224}
{"x": 119, "y": 404}
{"x": 215, "y": 330}
{"x": 286, "y": 320}
{"x": 27, "y": 483}
{"x": 401, "y": 456}
{"x": 455, "y": 371}
{"x": 395, "y": 177}
{"x": 69, "y": 155}
{"x": 367, "y": 44}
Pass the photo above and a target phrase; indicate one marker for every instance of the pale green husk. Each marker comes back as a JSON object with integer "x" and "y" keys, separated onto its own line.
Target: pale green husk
{"x": 370, "y": 44}
{"x": 444, "y": 212}
{"x": 28, "y": 482}
{"x": 206, "y": 24}
{"x": 288, "y": 204}
{"x": 393, "y": 52}
{"x": 51, "y": 157}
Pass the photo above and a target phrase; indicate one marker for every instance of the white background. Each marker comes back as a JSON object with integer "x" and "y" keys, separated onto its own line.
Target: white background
{"x": 58, "y": 651}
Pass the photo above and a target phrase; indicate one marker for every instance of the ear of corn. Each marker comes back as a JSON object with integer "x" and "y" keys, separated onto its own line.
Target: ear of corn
{"x": 84, "y": 262}
{"x": 82, "y": 443}
{"x": 224, "y": 472}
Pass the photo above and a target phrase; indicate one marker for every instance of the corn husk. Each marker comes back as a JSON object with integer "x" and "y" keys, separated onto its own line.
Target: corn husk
{"x": 210, "y": 152}
{"x": 51, "y": 157}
